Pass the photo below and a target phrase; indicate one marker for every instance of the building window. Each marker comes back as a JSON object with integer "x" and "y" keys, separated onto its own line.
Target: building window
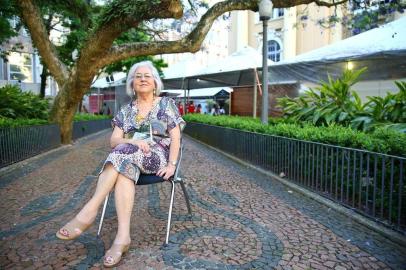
{"x": 274, "y": 51}
{"x": 277, "y": 12}
{"x": 20, "y": 67}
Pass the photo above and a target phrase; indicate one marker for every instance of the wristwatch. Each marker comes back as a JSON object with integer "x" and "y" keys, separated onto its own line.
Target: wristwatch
{"x": 173, "y": 163}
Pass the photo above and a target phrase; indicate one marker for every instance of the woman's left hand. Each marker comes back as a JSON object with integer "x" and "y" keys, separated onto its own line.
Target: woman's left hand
{"x": 166, "y": 172}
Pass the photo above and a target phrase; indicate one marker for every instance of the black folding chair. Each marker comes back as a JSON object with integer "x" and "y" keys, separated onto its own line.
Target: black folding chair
{"x": 147, "y": 179}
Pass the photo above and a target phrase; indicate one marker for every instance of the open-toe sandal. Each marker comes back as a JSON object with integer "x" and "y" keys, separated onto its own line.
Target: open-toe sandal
{"x": 73, "y": 229}
{"x": 114, "y": 254}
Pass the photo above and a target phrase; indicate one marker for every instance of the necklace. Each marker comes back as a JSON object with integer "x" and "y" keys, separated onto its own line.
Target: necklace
{"x": 139, "y": 118}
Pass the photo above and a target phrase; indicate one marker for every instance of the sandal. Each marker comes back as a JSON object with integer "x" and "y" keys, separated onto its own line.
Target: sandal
{"x": 73, "y": 229}
{"x": 114, "y": 254}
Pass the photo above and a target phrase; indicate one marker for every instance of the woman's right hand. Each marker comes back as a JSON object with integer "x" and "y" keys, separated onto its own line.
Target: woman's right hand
{"x": 143, "y": 145}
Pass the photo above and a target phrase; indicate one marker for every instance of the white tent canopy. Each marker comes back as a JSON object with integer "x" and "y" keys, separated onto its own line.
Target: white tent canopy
{"x": 236, "y": 69}
{"x": 390, "y": 37}
{"x": 183, "y": 68}
{"x": 246, "y": 58}
{"x": 118, "y": 79}
{"x": 206, "y": 92}
{"x": 382, "y": 50}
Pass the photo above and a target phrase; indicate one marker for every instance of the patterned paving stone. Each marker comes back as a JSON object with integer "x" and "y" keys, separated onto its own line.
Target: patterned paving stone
{"x": 241, "y": 219}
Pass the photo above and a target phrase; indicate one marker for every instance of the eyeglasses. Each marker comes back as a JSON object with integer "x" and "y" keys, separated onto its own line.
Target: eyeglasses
{"x": 145, "y": 76}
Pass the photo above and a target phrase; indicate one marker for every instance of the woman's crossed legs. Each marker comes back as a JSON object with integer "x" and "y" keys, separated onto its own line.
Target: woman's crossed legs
{"x": 124, "y": 200}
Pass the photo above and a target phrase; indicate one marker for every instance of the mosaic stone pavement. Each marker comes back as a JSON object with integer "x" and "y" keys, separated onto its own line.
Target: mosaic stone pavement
{"x": 241, "y": 219}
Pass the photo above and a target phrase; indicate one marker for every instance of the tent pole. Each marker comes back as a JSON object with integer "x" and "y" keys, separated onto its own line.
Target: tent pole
{"x": 229, "y": 103}
{"x": 254, "y": 103}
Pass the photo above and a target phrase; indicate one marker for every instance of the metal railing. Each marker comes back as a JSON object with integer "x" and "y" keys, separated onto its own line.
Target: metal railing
{"x": 370, "y": 183}
{"x": 84, "y": 128}
{"x": 20, "y": 143}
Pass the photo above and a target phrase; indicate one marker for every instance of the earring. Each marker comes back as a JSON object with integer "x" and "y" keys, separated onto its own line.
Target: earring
{"x": 154, "y": 92}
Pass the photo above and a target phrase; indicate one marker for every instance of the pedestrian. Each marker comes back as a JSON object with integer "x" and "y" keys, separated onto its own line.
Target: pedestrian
{"x": 135, "y": 150}
{"x": 104, "y": 109}
{"x": 84, "y": 109}
{"x": 180, "y": 108}
{"x": 214, "y": 110}
{"x": 222, "y": 111}
{"x": 199, "y": 108}
{"x": 191, "y": 107}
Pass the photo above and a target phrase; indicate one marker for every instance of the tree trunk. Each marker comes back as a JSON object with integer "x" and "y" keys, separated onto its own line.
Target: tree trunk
{"x": 63, "y": 111}
{"x": 66, "y": 104}
{"x": 62, "y": 114}
{"x": 44, "y": 75}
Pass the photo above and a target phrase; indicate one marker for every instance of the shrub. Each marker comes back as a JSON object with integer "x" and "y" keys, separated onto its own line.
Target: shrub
{"x": 334, "y": 102}
{"x": 17, "y": 104}
{"x": 9, "y": 122}
{"x": 381, "y": 140}
{"x": 388, "y": 112}
{"x": 89, "y": 117}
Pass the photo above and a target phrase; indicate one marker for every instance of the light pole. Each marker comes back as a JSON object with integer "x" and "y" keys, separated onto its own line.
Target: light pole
{"x": 265, "y": 11}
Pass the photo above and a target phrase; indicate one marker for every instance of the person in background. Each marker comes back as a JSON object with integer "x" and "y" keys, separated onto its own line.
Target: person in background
{"x": 84, "y": 109}
{"x": 222, "y": 111}
{"x": 214, "y": 110}
{"x": 180, "y": 108}
{"x": 191, "y": 107}
{"x": 199, "y": 108}
{"x": 104, "y": 109}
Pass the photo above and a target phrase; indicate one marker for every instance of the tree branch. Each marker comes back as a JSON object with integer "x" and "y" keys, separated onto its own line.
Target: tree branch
{"x": 113, "y": 24}
{"x": 190, "y": 43}
{"x": 292, "y": 3}
{"x": 33, "y": 20}
{"x": 326, "y": 4}
{"x": 193, "y": 41}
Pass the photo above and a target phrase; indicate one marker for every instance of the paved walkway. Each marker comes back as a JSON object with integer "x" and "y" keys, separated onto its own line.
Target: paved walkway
{"x": 241, "y": 219}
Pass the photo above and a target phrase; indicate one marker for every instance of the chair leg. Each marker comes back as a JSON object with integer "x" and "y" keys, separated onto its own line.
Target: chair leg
{"x": 168, "y": 226}
{"x": 102, "y": 215}
{"x": 189, "y": 209}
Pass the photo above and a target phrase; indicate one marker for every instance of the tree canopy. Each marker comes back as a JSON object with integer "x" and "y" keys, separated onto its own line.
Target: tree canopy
{"x": 104, "y": 35}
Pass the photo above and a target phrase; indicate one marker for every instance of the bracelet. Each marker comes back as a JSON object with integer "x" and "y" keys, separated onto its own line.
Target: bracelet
{"x": 172, "y": 163}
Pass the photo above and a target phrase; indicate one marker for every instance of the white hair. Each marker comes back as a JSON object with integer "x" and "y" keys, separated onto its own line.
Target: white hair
{"x": 131, "y": 74}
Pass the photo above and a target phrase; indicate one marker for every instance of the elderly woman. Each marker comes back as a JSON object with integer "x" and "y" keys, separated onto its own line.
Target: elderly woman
{"x": 145, "y": 139}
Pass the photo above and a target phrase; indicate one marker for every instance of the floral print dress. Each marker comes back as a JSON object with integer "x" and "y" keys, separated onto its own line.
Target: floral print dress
{"x": 128, "y": 159}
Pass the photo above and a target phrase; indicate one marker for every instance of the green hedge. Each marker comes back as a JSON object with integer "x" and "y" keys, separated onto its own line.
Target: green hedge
{"x": 381, "y": 140}
{"x": 88, "y": 117}
{"x": 16, "y": 104}
{"x": 9, "y": 122}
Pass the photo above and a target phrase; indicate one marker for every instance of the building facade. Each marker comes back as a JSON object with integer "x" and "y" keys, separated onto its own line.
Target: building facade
{"x": 296, "y": 30}
{"x": 20, "y": 63}
{"x": 214, "y": 46}
{"x": 291, "y": 31}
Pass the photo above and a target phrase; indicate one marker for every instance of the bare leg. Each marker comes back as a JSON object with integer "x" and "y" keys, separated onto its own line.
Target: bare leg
{"x": 86, "y": 216}
{"x": 124, "y": 198}
{"x": 106, "y": 182}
